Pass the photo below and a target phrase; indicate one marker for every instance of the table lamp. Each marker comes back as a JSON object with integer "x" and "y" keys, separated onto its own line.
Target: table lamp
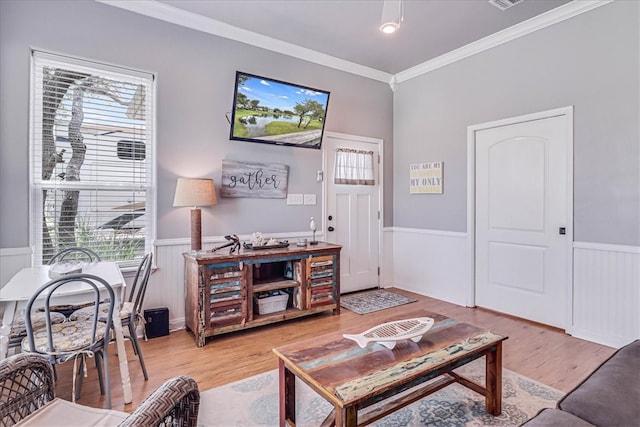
{"x": 195, "y": 192}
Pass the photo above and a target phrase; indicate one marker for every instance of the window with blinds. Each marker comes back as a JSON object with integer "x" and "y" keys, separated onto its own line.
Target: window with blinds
{"x": 92, "y": 159}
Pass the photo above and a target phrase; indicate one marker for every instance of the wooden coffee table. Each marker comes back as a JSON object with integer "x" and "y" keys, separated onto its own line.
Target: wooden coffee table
{"x": 353, "y": 378}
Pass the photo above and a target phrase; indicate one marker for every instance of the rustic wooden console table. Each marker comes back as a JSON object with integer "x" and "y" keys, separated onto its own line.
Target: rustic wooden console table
{"x": 222, "y": 289}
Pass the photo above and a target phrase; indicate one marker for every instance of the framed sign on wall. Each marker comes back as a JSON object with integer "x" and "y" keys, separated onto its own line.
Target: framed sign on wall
{"x": 425, "y": 178}
{"x": 258, "y": 180}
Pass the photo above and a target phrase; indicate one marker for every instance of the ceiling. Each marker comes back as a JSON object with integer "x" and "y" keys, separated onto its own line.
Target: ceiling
{"x": 348, "y": 29}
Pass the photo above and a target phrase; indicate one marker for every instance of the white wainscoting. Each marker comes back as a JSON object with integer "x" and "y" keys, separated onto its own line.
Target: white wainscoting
{"x": 386, "y": 266}
{"x": 433, "y": 263}
{"x": 606, "y": 293}
{"x": 13, "y": 260}
{"x": 166, "y": 284}
{"x": 606, "y": 288}
{"x": 606, "y": 304}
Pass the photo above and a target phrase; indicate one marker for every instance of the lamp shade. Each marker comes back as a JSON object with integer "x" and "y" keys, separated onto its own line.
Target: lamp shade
{"x": 195, "y": 192}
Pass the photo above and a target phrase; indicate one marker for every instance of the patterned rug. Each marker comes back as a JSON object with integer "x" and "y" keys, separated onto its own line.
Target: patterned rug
{"x": 370, "y": 301}
{"x": 253, "y": 402}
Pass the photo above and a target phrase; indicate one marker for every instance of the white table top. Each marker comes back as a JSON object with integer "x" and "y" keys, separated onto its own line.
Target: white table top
{"x": 28, "y": 280}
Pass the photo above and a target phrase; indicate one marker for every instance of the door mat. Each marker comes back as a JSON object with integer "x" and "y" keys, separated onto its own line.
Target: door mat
{"x": 376, "y": 300}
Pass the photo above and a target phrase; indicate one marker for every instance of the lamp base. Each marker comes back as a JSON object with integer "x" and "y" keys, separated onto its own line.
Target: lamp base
{"x": 196, "y": 229}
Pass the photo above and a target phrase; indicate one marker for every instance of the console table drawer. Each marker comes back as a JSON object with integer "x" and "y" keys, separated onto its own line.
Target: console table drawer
{"x": 321, "y": 275}
{"x": 226, "y": 313}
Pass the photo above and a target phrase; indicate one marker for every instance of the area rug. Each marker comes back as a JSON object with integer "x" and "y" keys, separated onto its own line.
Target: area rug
{"x": 370, "y": 301}
{"x": 253, "y": 402}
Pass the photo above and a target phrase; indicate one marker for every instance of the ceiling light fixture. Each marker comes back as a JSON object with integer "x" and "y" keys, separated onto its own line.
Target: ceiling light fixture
{"x": 392, "y": 16}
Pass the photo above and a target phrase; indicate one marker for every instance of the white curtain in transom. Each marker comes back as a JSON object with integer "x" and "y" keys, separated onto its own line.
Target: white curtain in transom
{"x": 354, "y": 167}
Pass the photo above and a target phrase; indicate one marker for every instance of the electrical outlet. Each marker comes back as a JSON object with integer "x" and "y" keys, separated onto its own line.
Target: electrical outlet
{"x": 294, "y": 199}
{"x": 319, "y": 176}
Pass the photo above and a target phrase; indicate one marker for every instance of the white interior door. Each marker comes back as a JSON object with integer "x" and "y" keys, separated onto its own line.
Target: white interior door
{"x": 521, "y": 219}
{"x": 352, "y": 217}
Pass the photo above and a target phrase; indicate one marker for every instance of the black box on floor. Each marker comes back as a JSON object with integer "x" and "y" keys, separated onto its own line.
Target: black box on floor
{"x": 157, "y": 322}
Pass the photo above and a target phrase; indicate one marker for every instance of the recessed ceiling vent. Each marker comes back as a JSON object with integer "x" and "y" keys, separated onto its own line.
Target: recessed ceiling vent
{"x": 504, "y": 4}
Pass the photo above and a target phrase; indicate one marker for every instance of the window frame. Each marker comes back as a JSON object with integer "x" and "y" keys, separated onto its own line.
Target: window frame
{"x": 36, "y": 184}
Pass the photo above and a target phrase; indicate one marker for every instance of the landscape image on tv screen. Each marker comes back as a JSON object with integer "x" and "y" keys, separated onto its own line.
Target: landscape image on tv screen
{"x": 275, "y": 112}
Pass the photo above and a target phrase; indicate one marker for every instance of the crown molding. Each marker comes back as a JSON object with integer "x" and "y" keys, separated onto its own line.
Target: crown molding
{"x": 554, "y": 16}
{"x": 197, "y": 22}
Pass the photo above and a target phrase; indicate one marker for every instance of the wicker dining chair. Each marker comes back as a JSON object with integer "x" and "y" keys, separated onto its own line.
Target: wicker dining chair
{"x": 73, "y": 339}
{"x": 130, "y": 310}
{"x": 174, "y": 403}
{"x": 27, "y": 386}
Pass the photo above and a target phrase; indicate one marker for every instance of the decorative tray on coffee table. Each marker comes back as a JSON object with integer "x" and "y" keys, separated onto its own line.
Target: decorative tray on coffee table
{"x": 388, "y": 334}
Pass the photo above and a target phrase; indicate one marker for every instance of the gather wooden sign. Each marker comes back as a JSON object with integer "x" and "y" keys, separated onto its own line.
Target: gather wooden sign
{"x": 249, "y": 179}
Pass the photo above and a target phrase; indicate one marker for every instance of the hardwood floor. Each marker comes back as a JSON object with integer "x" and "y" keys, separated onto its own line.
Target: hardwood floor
{"x": 539, "y": 352}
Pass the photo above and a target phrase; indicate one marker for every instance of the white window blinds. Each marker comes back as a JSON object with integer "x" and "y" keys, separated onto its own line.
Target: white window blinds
{"x": 92, "y": 159}
{"x": 354, "y": 167}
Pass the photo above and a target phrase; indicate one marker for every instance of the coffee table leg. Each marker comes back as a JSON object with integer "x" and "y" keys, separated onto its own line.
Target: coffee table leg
{"x": 287, "y": 394}
{"x": 494, "y": 381}
{"x": 346, "y": 417}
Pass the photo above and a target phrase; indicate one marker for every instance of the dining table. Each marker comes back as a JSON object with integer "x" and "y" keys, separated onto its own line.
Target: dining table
{"x": 17, "y": 292}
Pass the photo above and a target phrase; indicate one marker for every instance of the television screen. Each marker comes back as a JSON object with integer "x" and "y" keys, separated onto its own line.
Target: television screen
{"x": 274, "y": 112}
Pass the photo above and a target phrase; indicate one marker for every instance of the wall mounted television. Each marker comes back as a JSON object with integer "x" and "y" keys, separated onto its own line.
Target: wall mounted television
{"x": 270, "y": 111}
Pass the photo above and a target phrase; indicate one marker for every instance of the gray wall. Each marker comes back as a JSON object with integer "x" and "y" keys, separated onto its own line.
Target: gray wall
{"x": 195, "y": 79}
{"x": 590, "y": 61}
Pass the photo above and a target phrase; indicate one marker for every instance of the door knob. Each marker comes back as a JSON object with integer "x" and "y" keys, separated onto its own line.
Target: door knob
{"x": 330, "y": 228}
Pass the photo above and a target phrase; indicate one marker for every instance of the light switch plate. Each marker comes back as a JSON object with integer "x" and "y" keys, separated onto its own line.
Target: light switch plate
{"x": 309, "y": 199}
{"x": 294, "y": 199}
